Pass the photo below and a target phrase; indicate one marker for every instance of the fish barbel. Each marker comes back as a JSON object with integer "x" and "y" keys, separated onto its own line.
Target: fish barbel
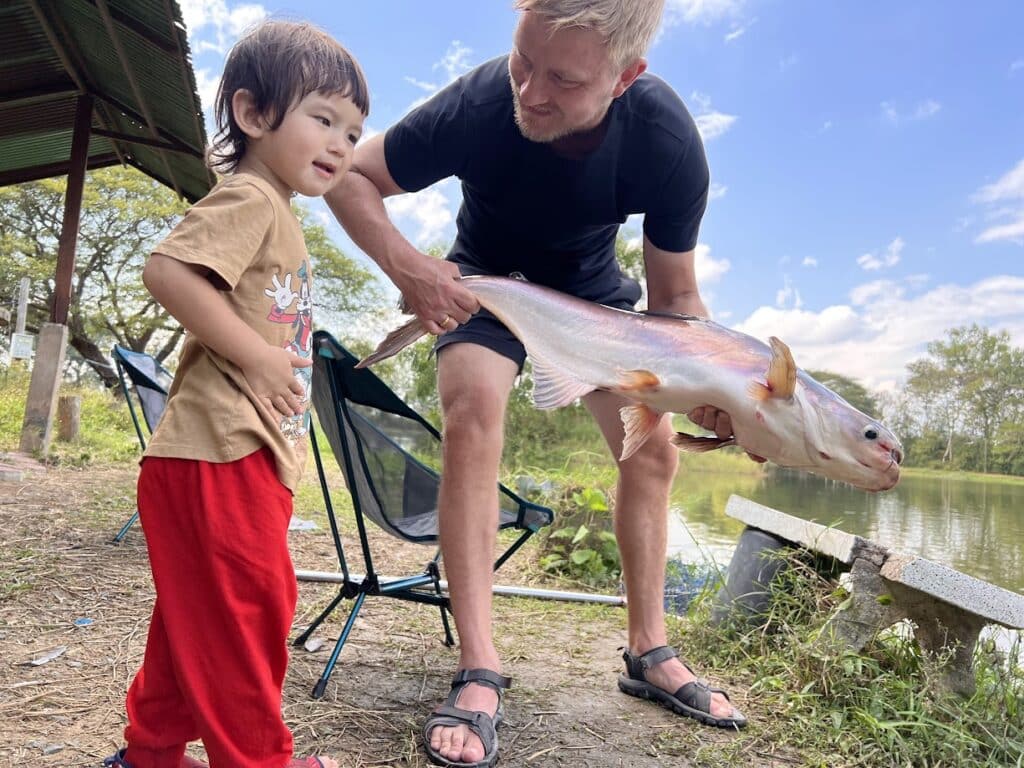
{"x": 673, "y": 364}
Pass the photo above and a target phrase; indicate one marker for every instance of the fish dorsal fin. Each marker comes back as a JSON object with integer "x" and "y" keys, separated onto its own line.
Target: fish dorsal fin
{"x": 694, "y": 444}
{"x": 553, "y": 387}
{"x": 639, "y": 421}
{"x": 781, "y": 377}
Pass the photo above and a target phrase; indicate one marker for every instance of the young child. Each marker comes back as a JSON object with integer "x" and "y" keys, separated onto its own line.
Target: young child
{"x": 216, "y": 484}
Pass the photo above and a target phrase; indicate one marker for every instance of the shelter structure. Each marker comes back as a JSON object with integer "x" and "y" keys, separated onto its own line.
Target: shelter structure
{"x": 88, "y": 84}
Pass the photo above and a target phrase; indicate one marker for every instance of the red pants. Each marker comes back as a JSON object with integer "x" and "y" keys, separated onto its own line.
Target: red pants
{"x": 216, "y": 655}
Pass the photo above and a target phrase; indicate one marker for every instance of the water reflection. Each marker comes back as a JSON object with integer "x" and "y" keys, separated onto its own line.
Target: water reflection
{"x": 975, "y": 527}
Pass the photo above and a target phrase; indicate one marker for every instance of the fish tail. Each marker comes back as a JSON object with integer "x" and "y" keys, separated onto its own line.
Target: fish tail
{"x": 394, "y": 342}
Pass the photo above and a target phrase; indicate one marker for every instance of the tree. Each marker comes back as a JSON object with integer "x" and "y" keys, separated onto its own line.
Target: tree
{"x": 124, "y": 215}
{"x": 973, "y": 381}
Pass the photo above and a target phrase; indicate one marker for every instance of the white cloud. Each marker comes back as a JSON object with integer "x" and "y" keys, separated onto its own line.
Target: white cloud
{"x": 717, "y": 191}
{"x": 809, "y": 261}
{"x": 1009, "y": 187}
{"x": 700, "y": 11}
{"x": 213, "y": 26}
{"x": 1016, "y": 65}
{"x": 920, "y": 111}
{"x": 424, "y": 217}
{"x": 1013, "y": 231}
{"x": 1005, "y": 200}
{"x": 883, "y": 329}
{"x": 788, "y": 62}
{"x": 788, "y": 295}
{"x": 871, "y": 262}
{"x": 453, "y": 64}
{"x": 708, "y": 270}
{"x": 710, "y": 123}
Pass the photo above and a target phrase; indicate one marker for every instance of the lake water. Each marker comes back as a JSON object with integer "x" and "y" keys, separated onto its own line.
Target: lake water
{"x": 975, "y": 527}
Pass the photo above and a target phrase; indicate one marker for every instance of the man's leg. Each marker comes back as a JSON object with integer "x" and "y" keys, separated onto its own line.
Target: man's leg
{"x": 641, "y": 528}
{"x": 474, "y": 384}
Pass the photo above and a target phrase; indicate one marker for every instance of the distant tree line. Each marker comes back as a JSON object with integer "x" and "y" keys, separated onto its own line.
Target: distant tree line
{"x": 962, "y": 406}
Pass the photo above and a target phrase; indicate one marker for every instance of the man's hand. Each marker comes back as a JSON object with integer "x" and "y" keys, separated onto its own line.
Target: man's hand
{"x": 719, "y": 422}
{"x": 431, "y": 290}
{"x": 270, "y": 373}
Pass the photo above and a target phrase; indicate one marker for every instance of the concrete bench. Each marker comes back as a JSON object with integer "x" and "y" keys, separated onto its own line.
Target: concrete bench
{"x": 948, "y": 608}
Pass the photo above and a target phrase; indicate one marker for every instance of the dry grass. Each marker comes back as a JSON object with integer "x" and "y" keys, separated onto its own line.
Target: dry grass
{"x": 57, "y": 565}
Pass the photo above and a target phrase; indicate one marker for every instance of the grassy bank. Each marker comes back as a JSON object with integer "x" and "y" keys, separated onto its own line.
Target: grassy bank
{"x": 808, "y": 705}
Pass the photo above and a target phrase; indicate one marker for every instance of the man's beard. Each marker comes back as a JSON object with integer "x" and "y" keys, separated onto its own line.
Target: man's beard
{"x": 554, "y": 132}
{"x": 532, "y": 134}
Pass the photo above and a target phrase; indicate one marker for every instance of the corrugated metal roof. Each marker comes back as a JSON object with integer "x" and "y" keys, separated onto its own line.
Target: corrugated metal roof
{"x": 132, "y": 57}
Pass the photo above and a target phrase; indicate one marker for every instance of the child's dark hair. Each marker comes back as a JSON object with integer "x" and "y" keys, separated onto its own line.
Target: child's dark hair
{"x": 280, "y": 63}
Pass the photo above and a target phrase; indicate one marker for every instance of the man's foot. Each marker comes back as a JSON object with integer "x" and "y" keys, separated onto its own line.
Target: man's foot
{"x": 463, "y": 730}
{"x": 659, "y": 675}
{"x": 457, "y": 743}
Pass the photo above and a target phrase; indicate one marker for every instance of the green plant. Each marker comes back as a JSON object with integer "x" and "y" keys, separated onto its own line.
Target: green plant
{"x": 583, "y": 550}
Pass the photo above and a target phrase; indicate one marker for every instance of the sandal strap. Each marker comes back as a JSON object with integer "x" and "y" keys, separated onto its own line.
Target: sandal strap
{"x": 484, "y": 676}
{"x": 479, "y": 722}
{"x": 697, "y": 694}
{"x": 637, "y": 666}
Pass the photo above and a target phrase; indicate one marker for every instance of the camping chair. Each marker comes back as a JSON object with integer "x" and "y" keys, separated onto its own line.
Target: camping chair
{"x": 150, "y": 382}
{"x": 387, "y": 452}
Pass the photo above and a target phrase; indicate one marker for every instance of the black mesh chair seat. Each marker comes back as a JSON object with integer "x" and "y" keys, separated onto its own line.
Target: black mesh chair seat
{"x": 391, "y": 459}
{"x": 150, "y": 382}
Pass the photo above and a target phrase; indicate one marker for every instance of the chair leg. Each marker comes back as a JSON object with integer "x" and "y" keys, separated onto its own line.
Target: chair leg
{"x": 321, "y": 684}
{"x": 435, "y": 573}
{"x": 301, "y": 639}
{"x": 124, "y": 529}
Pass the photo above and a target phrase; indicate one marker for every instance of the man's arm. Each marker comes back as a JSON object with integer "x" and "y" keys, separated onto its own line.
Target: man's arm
{"x": 185, "y": 291}
{"x": 429, "y": 286}
{"x": 672, "y": 287}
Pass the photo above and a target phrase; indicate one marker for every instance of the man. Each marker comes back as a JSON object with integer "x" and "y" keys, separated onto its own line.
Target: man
{"x": 555, "y": 144}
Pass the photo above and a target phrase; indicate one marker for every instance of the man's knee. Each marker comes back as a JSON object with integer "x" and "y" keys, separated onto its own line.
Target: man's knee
{"x": 656, "y": 461}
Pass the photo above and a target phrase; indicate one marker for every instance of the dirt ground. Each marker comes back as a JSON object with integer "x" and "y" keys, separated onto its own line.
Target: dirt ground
{"x": 57, "y": 565}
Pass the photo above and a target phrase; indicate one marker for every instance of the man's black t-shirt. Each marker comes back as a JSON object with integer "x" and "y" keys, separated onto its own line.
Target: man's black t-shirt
{"x": 526, "y": 208}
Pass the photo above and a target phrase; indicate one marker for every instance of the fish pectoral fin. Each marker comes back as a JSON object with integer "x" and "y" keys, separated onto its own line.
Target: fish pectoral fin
{"x": 638, "y": 421}
{"x": 553, "y": 387}
{"x": 635, "y": 381}
{"x": 394, "y": 342}
{"x": 780, "y": 381}
{"x": 694, "y": 444}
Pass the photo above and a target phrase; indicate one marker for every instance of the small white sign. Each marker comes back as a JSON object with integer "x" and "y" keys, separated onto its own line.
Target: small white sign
{"x": 22, "y": 345}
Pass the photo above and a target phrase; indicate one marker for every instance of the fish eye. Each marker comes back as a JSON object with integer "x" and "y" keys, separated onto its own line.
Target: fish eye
{"x": 871, "y": 433}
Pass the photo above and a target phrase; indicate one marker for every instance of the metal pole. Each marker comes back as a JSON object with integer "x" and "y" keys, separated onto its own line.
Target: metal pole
{"x": 541, "y": 594}
{"x": 22, "y": 305}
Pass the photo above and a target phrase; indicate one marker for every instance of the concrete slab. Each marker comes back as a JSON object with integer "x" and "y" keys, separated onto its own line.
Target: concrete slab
{"x": 843, "y": 546}
{"x": 993, "y": 604}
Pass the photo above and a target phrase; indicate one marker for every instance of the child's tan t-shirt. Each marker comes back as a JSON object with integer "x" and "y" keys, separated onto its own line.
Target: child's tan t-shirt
{"x": 245, "y": 232}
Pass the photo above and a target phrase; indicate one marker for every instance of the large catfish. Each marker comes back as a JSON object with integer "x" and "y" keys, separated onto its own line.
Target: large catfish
{"x": 674, "y": 363}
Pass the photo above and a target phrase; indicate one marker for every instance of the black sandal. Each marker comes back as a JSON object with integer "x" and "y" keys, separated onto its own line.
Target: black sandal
{"x": 480, "y": 723}
{"x": 692, "y": 699}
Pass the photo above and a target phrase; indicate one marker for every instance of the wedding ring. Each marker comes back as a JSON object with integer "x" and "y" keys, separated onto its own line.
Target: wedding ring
{"x": 444, "y": 321}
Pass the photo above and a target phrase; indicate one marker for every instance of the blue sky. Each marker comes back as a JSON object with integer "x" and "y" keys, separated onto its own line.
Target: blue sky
{"x": 867, "y": 158}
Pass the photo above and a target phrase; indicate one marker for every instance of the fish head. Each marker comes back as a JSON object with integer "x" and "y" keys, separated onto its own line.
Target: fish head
{"x": 844, "y": 444}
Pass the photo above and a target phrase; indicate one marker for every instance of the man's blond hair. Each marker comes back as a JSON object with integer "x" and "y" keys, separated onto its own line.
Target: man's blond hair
{"x": 627, "y": 26}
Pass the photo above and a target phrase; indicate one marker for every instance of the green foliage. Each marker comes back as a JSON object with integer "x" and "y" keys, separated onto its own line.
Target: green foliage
{"x": 582, "y": 549}
{"x": 124, "y": 216}
{"x": 106, "y": 434}
{"x": 884, "y": 706}
{"x": 970, "y": 391}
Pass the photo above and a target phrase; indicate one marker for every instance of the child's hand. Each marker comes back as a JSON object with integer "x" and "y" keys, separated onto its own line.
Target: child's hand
{"x": 270, "y": 374}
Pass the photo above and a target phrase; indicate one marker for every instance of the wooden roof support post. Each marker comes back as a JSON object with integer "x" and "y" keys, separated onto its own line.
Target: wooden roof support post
{"x": 48, "y": 367}
{"x": 72, "y": 210}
